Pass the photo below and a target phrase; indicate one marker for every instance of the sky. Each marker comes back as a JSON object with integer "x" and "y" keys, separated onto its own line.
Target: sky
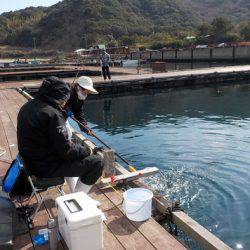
{"x": 8, "y": 5}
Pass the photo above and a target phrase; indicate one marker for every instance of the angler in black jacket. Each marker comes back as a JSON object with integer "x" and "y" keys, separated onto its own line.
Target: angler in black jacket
{"x": 43, "y": 138}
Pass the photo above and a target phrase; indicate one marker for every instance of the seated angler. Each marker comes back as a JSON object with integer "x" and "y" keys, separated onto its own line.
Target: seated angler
{"x": 44, "y": 140}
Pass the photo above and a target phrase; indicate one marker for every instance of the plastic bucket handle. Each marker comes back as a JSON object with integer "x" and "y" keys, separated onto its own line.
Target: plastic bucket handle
{"x": 137, "y": 210}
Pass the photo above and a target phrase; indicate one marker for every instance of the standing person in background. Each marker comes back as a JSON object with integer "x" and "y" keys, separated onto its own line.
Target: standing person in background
{"x": 104, "y": 61}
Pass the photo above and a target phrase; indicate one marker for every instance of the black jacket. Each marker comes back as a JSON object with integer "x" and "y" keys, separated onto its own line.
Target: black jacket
{"x": 76, "y": 106}
{"x": 41, "y": 132}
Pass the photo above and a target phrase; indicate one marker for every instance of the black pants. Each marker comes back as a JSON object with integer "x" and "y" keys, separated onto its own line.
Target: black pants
{"x": 105, "y": 72}
{"x": 89, "y": 169}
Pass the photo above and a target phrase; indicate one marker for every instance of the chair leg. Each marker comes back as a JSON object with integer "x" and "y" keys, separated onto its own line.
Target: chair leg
{"x": 60, "y": 190}
{"x": 40, "y": 201}
{"x": 36, "y": 211}
{"x": 30, "y": 198}
{"x": 34, "y": 190}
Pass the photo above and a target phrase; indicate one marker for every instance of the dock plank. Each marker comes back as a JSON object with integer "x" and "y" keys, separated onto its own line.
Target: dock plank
{"x": 119, "y": 225}
{"x": 19, "y": 98}
{"x": 127, "y": 234}
{"x": 8, "y": 116}
{"x": 9, "y": 127}
{"x": 10, "y": 105}
{"x": 155, "y": 233}
{"x": 3, "y": 141}
{"x": 11, "y": 101}
{"x": 110, "y": 241}
{"x": 132, "y": 79}
{"x": 4, "y": 165}
{"x": 40, "y": 222}
{"x": 119, "y": 232}
{"x": 3, "y": 136}
{"x": 23, "y": 242}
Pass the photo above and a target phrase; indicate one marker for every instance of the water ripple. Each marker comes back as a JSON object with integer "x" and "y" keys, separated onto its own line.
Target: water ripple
{"x": 200, "y": 142}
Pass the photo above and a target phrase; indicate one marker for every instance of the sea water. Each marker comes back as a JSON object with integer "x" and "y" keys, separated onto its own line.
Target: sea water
{"x": 200, "y": 140}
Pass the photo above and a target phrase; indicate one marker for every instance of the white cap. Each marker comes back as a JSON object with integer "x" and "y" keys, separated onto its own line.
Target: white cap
{"x": 86, "y": 83}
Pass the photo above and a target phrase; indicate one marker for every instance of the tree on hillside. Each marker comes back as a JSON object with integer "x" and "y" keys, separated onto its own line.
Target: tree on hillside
{"x": 231, "y": 37}
{"x": 127, "y": 40}
{"x": 204, "y": 32}
{"x": 221, "y": 27}
{"x": 204, "y": 29}
{"x": 245, "y": 31}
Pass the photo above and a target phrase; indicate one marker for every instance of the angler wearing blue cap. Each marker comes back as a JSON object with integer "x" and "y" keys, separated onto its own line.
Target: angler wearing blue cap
{"x": 44, "y": 141}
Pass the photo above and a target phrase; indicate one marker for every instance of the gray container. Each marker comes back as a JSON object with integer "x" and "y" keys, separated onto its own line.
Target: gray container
{"x": 52, "y": 227}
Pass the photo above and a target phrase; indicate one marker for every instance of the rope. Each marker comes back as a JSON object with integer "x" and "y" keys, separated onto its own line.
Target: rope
{"x": 2, "y": 152}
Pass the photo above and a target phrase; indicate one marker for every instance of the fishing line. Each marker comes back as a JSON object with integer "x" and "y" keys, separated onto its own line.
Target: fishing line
{"x": 2, "y": 152}
{"x": 91, "y": 133}
{"x": 77, "y": 73}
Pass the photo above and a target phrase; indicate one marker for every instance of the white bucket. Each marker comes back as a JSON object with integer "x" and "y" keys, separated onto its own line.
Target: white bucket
{"x": 137, "y": 204}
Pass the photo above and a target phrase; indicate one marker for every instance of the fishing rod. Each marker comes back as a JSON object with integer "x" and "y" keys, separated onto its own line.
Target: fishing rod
{"x": 77, "y": 73}
{"x": 91, "y": 133}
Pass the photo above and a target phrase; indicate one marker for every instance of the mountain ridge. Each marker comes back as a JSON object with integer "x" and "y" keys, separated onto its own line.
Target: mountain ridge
{"x": 70, "y": 23}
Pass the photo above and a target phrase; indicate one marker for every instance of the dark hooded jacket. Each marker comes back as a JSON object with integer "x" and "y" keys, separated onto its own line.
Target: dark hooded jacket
{"x": 41, "y": 132}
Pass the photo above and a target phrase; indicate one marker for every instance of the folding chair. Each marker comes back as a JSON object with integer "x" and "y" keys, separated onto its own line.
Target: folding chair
{"x": 39, "y": 185}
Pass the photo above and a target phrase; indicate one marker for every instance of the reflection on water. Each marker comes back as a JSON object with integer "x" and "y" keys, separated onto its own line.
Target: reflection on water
{"x": 200, "y": 140}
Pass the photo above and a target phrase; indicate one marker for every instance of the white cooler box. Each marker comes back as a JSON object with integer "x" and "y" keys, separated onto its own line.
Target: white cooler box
{"x": 80, "y": 222}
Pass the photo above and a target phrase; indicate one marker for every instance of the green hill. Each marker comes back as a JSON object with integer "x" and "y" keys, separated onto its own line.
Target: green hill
{"x": 13, "y": 24}
{"x": 66, "y": 24}
{"x": 236, "y": 10}
{"x": 71, "y": 23}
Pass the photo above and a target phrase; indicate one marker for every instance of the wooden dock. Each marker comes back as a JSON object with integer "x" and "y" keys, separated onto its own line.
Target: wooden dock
{"x": 119, "y": 232}
{"x": 30, "y": 73}
{"x": 33, "y": 73}
{"x": 172, "y": 79}
{"x": 123, "y": 83}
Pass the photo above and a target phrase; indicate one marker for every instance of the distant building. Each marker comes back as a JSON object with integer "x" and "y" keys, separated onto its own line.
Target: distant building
{"x": 243, "y": 44}
{"x": 190, "y": 37}
{"x": 99, "y": 47}
{"x": 203, "y": 46}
